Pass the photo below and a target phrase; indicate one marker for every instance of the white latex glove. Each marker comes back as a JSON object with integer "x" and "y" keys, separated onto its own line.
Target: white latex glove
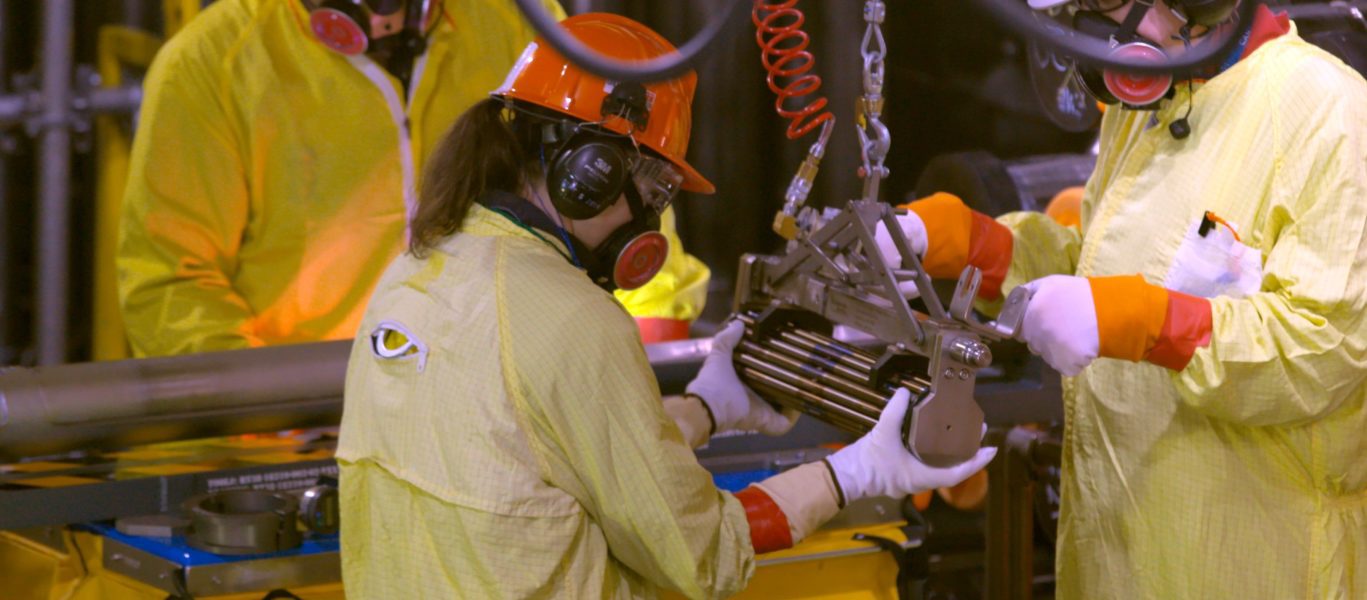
{"x": 734, "y": 406}
{"x": 915, "y": 231}
{"x": 1060, "y": 323}
{"x": 879, "y": 465}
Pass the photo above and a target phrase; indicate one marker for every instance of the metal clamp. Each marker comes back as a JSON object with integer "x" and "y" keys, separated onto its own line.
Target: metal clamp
{"x": 1008, "y": 323}
{"x": 319, "y": 508}
{"x": 239, "y": 522}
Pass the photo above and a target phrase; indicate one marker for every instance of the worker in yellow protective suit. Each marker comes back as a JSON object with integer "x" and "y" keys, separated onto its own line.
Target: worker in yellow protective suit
{"x": 1211, "y": 312}
{"x": 503, "y": 435}
{"x": 273, "y": 169}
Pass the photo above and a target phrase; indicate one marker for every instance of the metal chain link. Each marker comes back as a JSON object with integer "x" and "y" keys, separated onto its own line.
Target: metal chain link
{"x": 874, "y": 138}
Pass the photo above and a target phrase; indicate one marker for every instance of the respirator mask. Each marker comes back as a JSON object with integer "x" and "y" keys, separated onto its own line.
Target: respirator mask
{"x": 1138, "y": 91}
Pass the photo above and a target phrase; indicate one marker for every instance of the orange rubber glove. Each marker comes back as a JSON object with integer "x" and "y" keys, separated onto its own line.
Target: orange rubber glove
{"x": 1072, "y": 321}
{"x": 958, "y": 236}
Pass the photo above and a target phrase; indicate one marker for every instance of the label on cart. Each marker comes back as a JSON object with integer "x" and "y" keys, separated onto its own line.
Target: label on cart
{"x": 276, "y": 481}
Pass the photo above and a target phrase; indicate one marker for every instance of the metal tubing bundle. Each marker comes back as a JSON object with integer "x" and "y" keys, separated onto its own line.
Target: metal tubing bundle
{"x": 817, "y": 375}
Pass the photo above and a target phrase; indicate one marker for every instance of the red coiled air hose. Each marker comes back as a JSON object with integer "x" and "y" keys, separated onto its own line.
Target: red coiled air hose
{"x": 770, "y": 34}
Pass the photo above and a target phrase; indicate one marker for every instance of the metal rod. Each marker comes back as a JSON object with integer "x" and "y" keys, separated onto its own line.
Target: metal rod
{"x": 821, "y": 372}
{"x": 827, "y": 411}
{"x": 834, "y": 347}
{"x": 849, "y": 355}
{"x": 860, "y": 362}
{"x": 859, "y": 376}
{"x": 830, "y": 344}
{"x": 6, "y": 206}
{"x": 786, "y": 396}
{"x": 1009, "y": 556}
{"x": 14, "y": 108}
{"x": 817, "y": 390}
{"x": 17, "y": 108}
{"x": 123, "y": 99}
{"x": 116, "y": 404}
{"x": 762, "y": 384}
{"x": 54, "y": 210}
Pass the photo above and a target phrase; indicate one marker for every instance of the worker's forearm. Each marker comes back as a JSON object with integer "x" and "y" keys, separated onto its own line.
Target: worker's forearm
{"x": 690, "y": 414}
{"x": 785, "y": 508}
{"x": 183, "y": 316}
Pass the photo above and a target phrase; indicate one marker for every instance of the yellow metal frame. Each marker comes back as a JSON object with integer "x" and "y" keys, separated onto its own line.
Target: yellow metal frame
{"x": 178, "y": 13}
{"x": 35, "y": 571}
{"x": 828, "y": 565}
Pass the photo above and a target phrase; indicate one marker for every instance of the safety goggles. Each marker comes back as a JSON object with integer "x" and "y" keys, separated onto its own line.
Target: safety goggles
{"x": 657, "y": 180}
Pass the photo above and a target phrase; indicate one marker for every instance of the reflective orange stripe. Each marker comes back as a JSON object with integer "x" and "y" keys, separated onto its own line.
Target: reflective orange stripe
{"x": 1129, "y": 315}
{"x": 768, "y": 525}
{"x": 1186, "y": 327}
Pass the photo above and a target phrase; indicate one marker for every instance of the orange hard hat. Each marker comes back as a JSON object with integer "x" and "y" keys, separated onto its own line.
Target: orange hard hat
{"x": 1066, "y": 207}
{"x": 545, "y": 78}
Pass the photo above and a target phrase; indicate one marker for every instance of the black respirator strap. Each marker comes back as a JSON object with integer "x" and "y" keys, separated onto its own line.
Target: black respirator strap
{"x": 1129, "y": 29}
{"x": 410, "y": 42}
{"x": 528, "y": 215}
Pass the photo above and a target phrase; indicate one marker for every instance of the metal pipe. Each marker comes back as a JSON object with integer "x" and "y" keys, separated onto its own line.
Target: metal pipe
{"x": 834, "y": 346}
{"x": 54, "y": 210}
{"x": 819, "y": 393}
{"x": 109, "y": 405}
{"x": 6, "y": 205}
{"x": 15, "y": 108}
{"x": 793, "y": 397}
{"x": 860, "y": 376}
{"x": 48, "y": 410}
{"x": 851, "y": 356}
{"x": 124, "y": 99}
{"x": 852, "y": 388}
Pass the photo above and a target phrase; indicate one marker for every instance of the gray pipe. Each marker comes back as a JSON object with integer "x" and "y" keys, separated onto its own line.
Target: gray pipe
{"x": 6, "y": 301}
{"x": 54, "y": 208}
{"x": 123, "y": 99}
{"x": 107, "y": 405}
{"x": 104, "y": 405}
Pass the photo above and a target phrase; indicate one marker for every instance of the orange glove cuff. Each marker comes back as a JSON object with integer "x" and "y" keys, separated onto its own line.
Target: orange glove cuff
{"x": 1186, "y": 328}
{"x": 1129, "y": 315}
{"x": 957, "y": 236}
{"x": 655, "y": 330}
{"x": 1137, "y": 320}
{"x": 768, "y": 525}
{"x": 949, "y": 233}
{"x": 990, "y": 250}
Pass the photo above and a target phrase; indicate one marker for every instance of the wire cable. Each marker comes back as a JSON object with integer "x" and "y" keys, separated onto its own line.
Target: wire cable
{"x": 782, "y": 44}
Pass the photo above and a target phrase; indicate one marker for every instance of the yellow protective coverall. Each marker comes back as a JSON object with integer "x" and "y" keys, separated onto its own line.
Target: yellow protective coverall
{"x": 1242, "y": 476}
{"x": 521, "y": 426}
{"x": 271, "y": 177}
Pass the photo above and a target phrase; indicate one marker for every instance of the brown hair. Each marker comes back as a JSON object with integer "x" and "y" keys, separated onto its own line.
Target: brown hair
{"x": 480, "y": 153}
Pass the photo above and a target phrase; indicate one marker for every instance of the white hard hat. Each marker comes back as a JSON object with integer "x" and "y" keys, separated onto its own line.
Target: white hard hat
{"x": 1046, "y": 4}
